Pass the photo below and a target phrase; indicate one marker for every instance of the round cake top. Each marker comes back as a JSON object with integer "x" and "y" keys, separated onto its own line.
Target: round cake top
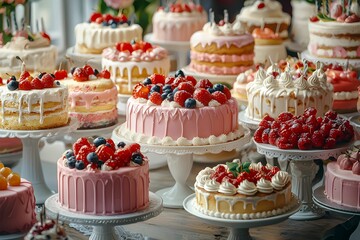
{"x": 180, "y": 91}
{"x": 350, "y": 161}
{"x": 179, "y": 9}
{"x": 337, "y": 14}
{"x": 244, "y": 178}
{"x": 134, "y": 52}
{"x": 102, "y": 155}
{"x": 9, "y": 179}
{"x": 109, "y": 20}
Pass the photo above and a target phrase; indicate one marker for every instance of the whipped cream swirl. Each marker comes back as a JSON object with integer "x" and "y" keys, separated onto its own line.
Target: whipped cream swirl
{"x": 227, "y": 188}
{"x": 279, "y": 180}
{"x": 286, "y": 80}
{"x": 211, "y": 185}
{"x": 264, "y": 186}
{"x": 301, "y": 83}
{"x": 247, "y": 188}
{"x": 260, "y": 76}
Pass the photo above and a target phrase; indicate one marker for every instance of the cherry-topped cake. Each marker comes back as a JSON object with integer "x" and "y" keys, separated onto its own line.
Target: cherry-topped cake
{"x": 305, "y": 131}
{"x": 178, "y": 110}
{"x": 100, "y": 178}
{"x": 237, "y": 190}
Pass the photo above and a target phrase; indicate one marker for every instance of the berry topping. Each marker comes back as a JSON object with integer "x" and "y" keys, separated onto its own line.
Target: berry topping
{"x": 261, "y": 5}
{"x": 181, "y": 96}
{"x": 157, "y": 78}
{"x": 60, "y": 74}
{"x": 13, "y": 85}
{"x": 141, "y": 91}
{"x": 156, "y": 98}
{"x": 179, "y": 73}
{"x": 25, "y": 85}
{"x": 147, "y": 81}
{"x": 190, "y": 103}
{"x": 104, "y": 74}
{"x": 121, "y": 145}
{"x": 92, "y": 157}
{"x": 99, "y": 141}
{"x": 80, "y": 75}
{"x": 79, "y": 165}
{"x": 204, "y": 83}
{"x": 137, "y": 158}
{"x": 47, "y": 80}
{"x": 219, "y": 97}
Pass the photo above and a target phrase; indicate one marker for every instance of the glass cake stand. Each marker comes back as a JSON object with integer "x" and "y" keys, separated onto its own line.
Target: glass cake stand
{"x": 31, "y": 164}
{"x": 303, "y": 170}
{"x": 239, "y": 229}
{"x": 180, "y": 48}
{"x": 103, "y": 226}
{"x": 345, "y": 228}
{"x": 180, "y": 161}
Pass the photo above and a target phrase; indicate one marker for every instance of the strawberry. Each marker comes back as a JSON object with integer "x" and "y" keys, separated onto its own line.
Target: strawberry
{"x": 180, "y": 97}
{"x": 60, "y": 74}
{"x": 146, "y": 46}
{"x": 124, "y": 46}
{"x": 314, "y": 19}
{"x": 187, "y": 8}
{"x": 25, "y": 85}
{"x": 258, "y": 134}
{"x": 94, "y": 16}
{"x": 275, "y": 125}
{"x": 179, "y": 80}
{"x": 155, "y": 98}
{"x": 123, "y": 155}
{"x": 331, "y": 115}
{"x": 24, "y": 75}
{"x": 304, "y": 143}
{"x": 296, "y": 128}
{"x": 264, "y": 123}
{"x": 47, "y": 80}
{"x": 186, "y": 86}
{"x": 111, "y": 143}
{"x": 285, "y": 133}
{"x": 261, "y": 5}
{"x": 134, "y": 147}
{"x": 99, "y": 20}
{"x": 123, "y": 18}
{"x": 204, "y": 83}
{"x": 37, "y": 84}
{"x": 282, "y": 143}
{"x": 219, "y": 97}
{"x": 80, "y": 75}
{"x": 140, "y": 91}
{"x": 325, "y": 129}
{"x": 227, "y": 93}
{"x": 79, "y": 143}
{"x": 107, "y": 17}
{"x": 157, "y": 78}
{"x": 45, "y": 35}
{"x": 105, "y": 153}
{"x": 83, "y": 152}
{"x": 203, "y": 96}
{"x": 88, "y": 69}
{"x": 169, "y": 80}
{"x": 104, "y": 74}
{"x": 191, "y": 79}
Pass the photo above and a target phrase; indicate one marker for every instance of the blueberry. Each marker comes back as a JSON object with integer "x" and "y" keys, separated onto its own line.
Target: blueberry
{"x": 175, "y": 90}
{"x": 105, "y": 23}
{"x": 100, "y": 163}
{"x": 133, "y": 42}
{"x": 99, "y": 140}
{"x": 155, "y": 88}
{"x": 121, "y": 145}
{"x": 170, "y": 97}
{"x": 137, "y": 158}
{"x": 211, "y": 90}
{"x": 71, "y": 162}
{"x": 13, "y": 85}
{"x": 167, "y": 87}
{"x": 128, "y": 22}
{"x": 164, "y": 95}
{"x": 57, "y": 83}
{"x": 190, "y": 103}
{"x": 179, "y": 73}
{"x": 92, "y": 157}
{"x": 73, "y": 70}
{"x": 40, "y": 75}
{"x": 79, "y": 165}
{"x": 219, "y": 87}
{"x": 147, "y": 81}
{"x": 113, "y": 25}
{"x": 69, "y": 153}
{"x": 96, "y": 72}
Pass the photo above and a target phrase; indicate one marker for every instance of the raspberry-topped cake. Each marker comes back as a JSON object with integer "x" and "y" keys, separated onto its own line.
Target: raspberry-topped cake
{"x": 181, "y": 111}
{"x": 101, "y": 178}
{"x": 178, "y": 21}
{"x": 306, "y": 131}
{"x": 104, "y": 30}
{"x": 243, "y": 191}
{"x": 92, "y": 96}
{"x": 130, "y": 63}
{"x": 342, "y": 179}
{"x": 17, "y": 202}
{"x": 33, "y": 102}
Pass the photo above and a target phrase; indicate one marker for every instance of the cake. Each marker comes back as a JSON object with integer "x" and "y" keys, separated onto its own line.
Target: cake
{"x": 34, "y": 49}
{"x": 180, "y": 111}
{"x": 32, "y": 103}
{"x": 268, "y": 44}
{"x": 17, "y": 203}
{"x": 10, "y": 145}
{"x": 239, "y": 87}
{"x": 243, "y": 191}
{"x": 178, "y": 21}
{"x": 302, "y": 10}
{"x": 273, "y": 92}
{"x": 92, "y": 97}
{"x": 266, "y": 13}
{"x": 99, "y": 178}
{"x": 335, "y": 34}
{"x": 102, "y": 31}
{"x": 221, "y": 49}
{"x": 130, "y": 63}
{"x": 342, "y": 179}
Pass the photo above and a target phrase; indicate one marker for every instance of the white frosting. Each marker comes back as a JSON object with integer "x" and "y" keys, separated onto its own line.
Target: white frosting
{"x": 301, "y": 12}
{"x": 247, "y": 188}
{"x": 227, "y": 188}
{"x": 256, "y": 166}
{"x": 279, "y": 180}
{"x": 264, "y": 186}
{"x": 346, "y": 95}
{"x": 211, "y": 185}
{"x": 228, "y": 29}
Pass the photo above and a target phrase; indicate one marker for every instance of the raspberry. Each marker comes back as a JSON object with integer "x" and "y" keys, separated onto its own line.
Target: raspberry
{"x": 80, "y": 75}
{"x": 25, "y": 85}
{"x": 37, "y": 84}
{"x": 265, "y": 136}
{"x": 304, "y": 143}
{"x": 104, "y": 153}
{"x": 204, "y": 83}
{"x": 296, "y": 128}
{"x": 60, "y": 74}
{"x": 264, "y": 123}
{"x": 293, "y": 139}
{"x": 227, "y": 93}
{"x": 273, "y": 136}
{"x": 79, "y": 143}
{"x": 325, "y": 129}
{"x": 220, "y": 169}
{"x": 317, "y": 139}
{"x": 169, "y": 80}
{"x": 180, "y": 97}
{"x": 47, "y": 80}
{"x": 282, "y": 143}
{"x": 155, "y": 98}
{"x": 311, "y": 121}
{"x": 186, "y": 86}
{"x": 104, "y": 74}
{"x": 191, "y": 79}
{"x": 331, "y": 115}
{"x": 134, "y": 147}
{"x": 203, "y": 96}
{"x": 310, "y": 111}
{"x": 89, "y": 70}
{"x": 219, "y": 97}
{"x": 111, "y": 143}
{"x": 83, "y": 152}
{"x": 140, "y": 91}
{"x": 285, "y": 133}
{"x": 285, "y": 116}
{"x": 157, "y": 78}
{"x": 258, "y": 134}
{"x": 94, "y": 16}
{"x": 275, "y": 125}
{"x": 329, "y": 143}
{"x": 179, "y": 80}
{"x": 123, "y": 155}
{"x": 268, "y": 118}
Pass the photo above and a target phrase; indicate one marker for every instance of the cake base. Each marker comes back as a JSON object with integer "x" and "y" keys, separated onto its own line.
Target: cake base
{"x": 353, "y": 62}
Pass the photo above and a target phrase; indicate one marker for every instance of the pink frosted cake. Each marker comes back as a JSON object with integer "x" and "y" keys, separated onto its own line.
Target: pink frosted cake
{"x": 342, "y": 180}
{"x": 221, "y": 48}
{"x": 9, "y": 145}
{"x": 178, "y": 21}
{"x": 181, "y": 111}
{"x": 101, "y": 179}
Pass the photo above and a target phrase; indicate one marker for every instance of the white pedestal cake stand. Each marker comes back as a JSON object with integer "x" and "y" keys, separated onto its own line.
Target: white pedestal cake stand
{"x": 31, "y": 164}
{"x": 180, "y": 48}
{"x": 320, "y": 199}
{"x": 353, "y": 62}
{"x": 303, "y": 170}
{"x": 11, "y": 159}
{"x": 80, "y": 59}
{"x": 239, "y": 229}
{"x": 103, "y": 226}
{"x": 180, "y": 161}
{"x": 247, "y": 122}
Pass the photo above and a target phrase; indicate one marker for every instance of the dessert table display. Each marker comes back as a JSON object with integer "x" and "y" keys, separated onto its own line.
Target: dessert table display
{"x": 79, "y": 59}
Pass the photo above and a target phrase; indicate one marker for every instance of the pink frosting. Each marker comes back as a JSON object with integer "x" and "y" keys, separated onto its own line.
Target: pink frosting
{"x": 339, "y": 52}
{"x": 103, "y": 192}
{"x": 113, "y": 54}
{"x": 17, "y": 208}
{"x": 204, "y": 39}
{"x": 219, "y": 70}
{"x": 94, "y": 120}
{"x": 207, "y": 57}
{"x": 181, "y": 122}
{"x": 89, "y": 99}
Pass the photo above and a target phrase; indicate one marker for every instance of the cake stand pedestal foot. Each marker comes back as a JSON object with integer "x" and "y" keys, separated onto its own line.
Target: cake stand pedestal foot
{"x": 180, "y": 168}
{"x": 303, "y": 172}
{"x": 239, "y": 234}
{"x": 32, "y": 171}
{"x": 103, "y": 233}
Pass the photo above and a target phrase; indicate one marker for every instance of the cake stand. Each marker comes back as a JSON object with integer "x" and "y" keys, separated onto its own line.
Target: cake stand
{"x": 11, "y": 159}
{"x": 303, "y": 170}
{"x": 247, "y": 122}
{"x": 239, "y": 229}
{"x": 31, "y": 164}
{"x": 80, "y": 59}
{"x": 353, "y": 223}
{"x": 13, "y": 236}
{"x": 103, "y": 226}
{"x": 180, "y": 48}
{"x": 180, "y": 161}
{"x": 353, "y": 62}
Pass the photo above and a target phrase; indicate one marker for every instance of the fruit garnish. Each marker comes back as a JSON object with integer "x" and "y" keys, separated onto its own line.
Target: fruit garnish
{"x": 104, "y": 74}
{"x": 3, "y": 183}
{"x": 60, "y": 74}
{"x": 141, "y": 91}
{"x": 80, "y": 75}
{"x": 5, "y": 171}
{"x": 181, "y": 96}
{"x": 261, "y": 5}
{"x": 14, "y": 179}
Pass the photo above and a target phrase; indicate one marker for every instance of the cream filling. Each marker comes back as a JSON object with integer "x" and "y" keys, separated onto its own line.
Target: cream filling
{"x": 346, "y": 95}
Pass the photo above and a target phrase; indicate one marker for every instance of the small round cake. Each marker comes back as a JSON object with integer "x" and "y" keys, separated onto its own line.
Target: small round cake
{"x": 10, "y": 145}
{"x": 178, "y": 21}
{"x": 99, "y": 178}
{"x": 130, "y": 64}
{"x": 104, "y": 31}
{"x": 239, "y": 87}
{"x": 243, "y": 191}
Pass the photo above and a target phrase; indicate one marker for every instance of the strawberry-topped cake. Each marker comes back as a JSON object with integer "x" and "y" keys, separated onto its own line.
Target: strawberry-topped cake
{"x": 92, "y": 96}
{"x": 33, "y": 102}
{"x": 342, "y": 179}
{"x": 100, "y": 178}
{"x": 181, "y": 111}
{"x": 306, "y": 131}
{"x": 131, "y": 62}
{"x": 178, "y": 21}
{"x": 104, "y": 30}
{"x": 17, "y": 203}
{"x": 237, "y": 190}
